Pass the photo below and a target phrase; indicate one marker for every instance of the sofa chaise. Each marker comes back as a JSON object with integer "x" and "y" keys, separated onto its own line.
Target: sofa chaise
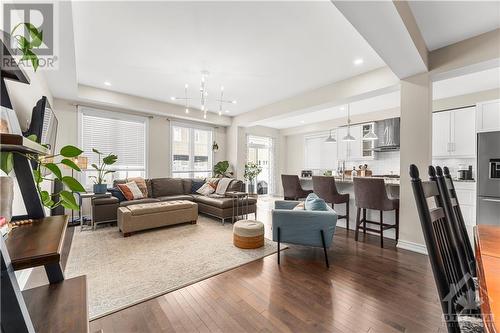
{"x": 169, "y": 189}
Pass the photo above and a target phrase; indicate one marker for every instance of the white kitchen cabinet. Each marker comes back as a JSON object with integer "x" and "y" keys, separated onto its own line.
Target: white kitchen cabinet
{"x": 466, "y": 194}
{"x": 488, "y": 116}
{"x": 454, "y": 133}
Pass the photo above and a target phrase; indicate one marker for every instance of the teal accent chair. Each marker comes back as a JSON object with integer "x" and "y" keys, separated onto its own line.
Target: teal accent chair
{"x": 303, "y": 227}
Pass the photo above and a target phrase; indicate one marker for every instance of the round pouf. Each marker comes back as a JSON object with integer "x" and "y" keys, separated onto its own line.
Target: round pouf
{"x": 248, "y": 234}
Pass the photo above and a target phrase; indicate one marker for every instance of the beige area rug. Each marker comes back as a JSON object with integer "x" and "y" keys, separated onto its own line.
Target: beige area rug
{"x": 125, "y": 271}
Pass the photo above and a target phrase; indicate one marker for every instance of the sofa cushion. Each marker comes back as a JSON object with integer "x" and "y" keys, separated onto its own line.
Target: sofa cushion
{"x": 105, "y": 201}
{"x": 139, "y": 201}
{"x": 176, "y": 197}
{"x": 221, "y": 202}
{"x": 158, "y": 207}
{"x": 206, "y": 189}
{"x": 161, "y": 187}
{"x": 235, "y": 186}
{"x": 187, "y": 183}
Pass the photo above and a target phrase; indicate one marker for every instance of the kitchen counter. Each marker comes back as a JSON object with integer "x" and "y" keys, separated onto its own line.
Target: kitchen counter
{"x": 387, "y": 180}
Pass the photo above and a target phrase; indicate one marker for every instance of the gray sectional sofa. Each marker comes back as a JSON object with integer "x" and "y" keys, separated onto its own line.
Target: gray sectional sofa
{"x": 168, "y": 189}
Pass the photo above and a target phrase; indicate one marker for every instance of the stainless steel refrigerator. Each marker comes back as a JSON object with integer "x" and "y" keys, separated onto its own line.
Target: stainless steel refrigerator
{"x": 488, "y": 178}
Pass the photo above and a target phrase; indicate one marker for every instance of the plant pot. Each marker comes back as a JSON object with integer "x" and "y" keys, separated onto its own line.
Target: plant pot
{"x": 251, "y": 188}
{"x": 6, "y": 197}
{"x": 100, "y": 188}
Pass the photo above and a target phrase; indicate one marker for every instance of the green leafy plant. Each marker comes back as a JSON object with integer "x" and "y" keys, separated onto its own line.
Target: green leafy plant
{"x": 252, "y": 170}
{"x": 102, "y": 165}
{"x": 46, "y": 165}
{"x": 220, "y": 169}
{"x": 26, "y": 46}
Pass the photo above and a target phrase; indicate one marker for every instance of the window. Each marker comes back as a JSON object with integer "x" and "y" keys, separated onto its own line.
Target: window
{"x": 318, "y": 153}
{"x": 112, "y": 132}
{"x": 192, "y": 154}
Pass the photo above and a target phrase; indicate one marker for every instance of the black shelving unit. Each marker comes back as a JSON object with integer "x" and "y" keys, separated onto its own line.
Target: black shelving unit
{"x": 35, "y": 310}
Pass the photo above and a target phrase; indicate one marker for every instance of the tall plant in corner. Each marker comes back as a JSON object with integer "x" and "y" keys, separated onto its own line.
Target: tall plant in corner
{"x": 101, "y": 167}
{"x": 252, "y": 170}
{"x": 47, "y": 165}
{"x": 27, "y": 46}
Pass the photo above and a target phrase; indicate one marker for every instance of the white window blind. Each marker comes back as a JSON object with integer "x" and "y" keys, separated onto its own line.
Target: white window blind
{"x": 112, "y": 132}
{"x": 319, "y": 154}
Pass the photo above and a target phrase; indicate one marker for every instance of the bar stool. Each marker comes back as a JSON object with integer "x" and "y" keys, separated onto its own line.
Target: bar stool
{"x": 370, "y": 193}
{"x": 326, "y": 189}
{"x": 292, "y": 190}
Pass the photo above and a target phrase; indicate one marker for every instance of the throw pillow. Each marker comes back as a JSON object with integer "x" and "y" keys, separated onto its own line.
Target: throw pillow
{"x": 313, "y": 202}
{"x": 223, "y": 185}
{"x": 197, "y": 183}
{"x": 141, "y": 183}
{"x": 206, "y": 189}
{"x": 300, "y": 206}
{"x": 115, "y": 192}
{"x": 130, "y": 191}
{"x": 212, "y": 181}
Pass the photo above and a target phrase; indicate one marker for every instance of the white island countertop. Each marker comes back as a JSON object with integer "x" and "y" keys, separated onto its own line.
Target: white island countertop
{"x": 348, "y": 180}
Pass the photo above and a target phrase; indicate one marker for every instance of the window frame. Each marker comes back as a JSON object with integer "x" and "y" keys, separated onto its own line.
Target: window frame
{"x": 81, "y": 110}
{"x": 190, "y": 126}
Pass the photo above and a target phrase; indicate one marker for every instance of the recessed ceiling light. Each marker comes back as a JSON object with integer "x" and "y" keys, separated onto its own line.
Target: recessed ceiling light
{"x": 107, "y": 83}
{"x": 227, "y": 111}
{"x": 358, "y": 61}
{"x": 302, "y": 121}
{"x": 342, "y": 108}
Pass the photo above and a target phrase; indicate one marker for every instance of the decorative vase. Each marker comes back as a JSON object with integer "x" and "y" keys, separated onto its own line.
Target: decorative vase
{"x": 100, "y": 188}
{"x": 251, "y": 187}
{"x": 6, "y": 197}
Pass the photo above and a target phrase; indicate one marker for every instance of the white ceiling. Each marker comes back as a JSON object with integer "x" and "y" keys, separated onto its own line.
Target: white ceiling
{"x": 446, "y": 22}
{"x": 261, "y": 52}
{"x": 461, "y": 85}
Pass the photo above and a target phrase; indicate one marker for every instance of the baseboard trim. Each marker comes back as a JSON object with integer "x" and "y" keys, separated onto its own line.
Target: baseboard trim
{"x": 22, "y": 277}
{"x": 410, "y": 246}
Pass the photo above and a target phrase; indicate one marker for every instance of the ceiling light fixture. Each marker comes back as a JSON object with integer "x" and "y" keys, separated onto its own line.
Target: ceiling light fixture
{"x": 204, "y": 96}
{"x": 348, "y": 137}
{"x": 358, "y": 61}
{"x": 107, "y": 83}
{"x": 330, "y": 138}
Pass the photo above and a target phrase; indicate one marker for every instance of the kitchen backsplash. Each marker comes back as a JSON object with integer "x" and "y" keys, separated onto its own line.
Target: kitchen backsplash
{"x": 452, "y": 164}
{"x": 386, "y": 163}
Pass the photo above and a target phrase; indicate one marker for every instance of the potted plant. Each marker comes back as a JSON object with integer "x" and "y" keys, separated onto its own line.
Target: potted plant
{"x": 103, "y": 162}
{"x": 220, "y": 169}
{"x": 252, "y": 170}
{"x": 44, "y": 167}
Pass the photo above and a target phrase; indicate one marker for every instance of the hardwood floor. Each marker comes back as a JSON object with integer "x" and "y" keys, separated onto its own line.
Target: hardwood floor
{"x": 367, "y": 289}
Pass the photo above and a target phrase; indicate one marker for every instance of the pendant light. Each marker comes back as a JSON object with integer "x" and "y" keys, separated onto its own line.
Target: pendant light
{"x": 330, "y": 139}
{"x": 348, "y": 137}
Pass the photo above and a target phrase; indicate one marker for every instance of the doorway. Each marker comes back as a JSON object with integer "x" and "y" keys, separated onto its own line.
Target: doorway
{"x": 260, "y": 151}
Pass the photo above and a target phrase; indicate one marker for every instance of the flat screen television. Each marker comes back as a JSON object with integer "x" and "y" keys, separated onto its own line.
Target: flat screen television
{"x": 43, "y": 124}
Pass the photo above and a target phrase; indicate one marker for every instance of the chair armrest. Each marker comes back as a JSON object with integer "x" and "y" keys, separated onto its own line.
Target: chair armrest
{"x": 285, "y": 204}
{"x": 104, "y": 201}
{"x": 303, "y": 226}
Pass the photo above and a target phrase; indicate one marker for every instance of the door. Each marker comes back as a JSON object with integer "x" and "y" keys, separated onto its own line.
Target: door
{"x": 441, "y": 125}
{"x": 488, "y": 210}
{"x": 464, "y": 132}
{"x": 260, "y": 152}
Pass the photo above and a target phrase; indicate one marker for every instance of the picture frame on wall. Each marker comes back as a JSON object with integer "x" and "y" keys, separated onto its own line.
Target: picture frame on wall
{"x": 8, "y": 121}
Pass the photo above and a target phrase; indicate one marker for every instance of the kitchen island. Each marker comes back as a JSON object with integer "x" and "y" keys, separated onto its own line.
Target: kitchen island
{"x": 346, "y": 186}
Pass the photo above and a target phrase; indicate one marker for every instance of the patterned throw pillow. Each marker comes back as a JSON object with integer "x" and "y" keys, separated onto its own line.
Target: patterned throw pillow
{"x": 206, "y": 189}
{"x": 212, "y": 181}
{"x": 131, "y": 191}
{"x": 141, "y": 183}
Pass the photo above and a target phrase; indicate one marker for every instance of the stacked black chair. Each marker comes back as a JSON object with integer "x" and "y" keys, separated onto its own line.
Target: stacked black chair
{"x": 453, "y": 280}
{"x": 458, "y": 219}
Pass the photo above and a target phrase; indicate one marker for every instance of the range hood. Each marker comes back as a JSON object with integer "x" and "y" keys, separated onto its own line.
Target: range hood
{"x": 388, "y": 135}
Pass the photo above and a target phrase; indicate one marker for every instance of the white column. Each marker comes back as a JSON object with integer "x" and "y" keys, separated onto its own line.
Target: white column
{"x": 416, "y": 148}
